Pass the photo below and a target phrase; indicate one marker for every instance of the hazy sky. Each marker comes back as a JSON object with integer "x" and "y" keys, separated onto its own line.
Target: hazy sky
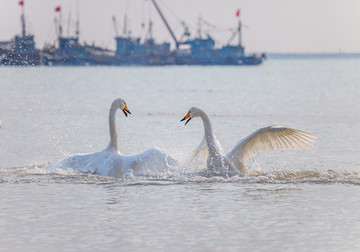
{"x": 271, "y": 25}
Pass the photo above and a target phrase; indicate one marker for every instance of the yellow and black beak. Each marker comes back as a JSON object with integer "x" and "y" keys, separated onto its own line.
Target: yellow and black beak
{"x": 126, "y": 110}
{"x": 186, "y": 117}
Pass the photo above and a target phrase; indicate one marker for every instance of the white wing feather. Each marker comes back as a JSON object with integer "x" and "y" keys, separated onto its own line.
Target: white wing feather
{"x": 202, "y": 151}
{"x": 270, "y": 138}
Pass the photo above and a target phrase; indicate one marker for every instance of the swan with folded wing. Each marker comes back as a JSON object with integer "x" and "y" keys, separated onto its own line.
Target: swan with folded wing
{"x": 111, "y": 162}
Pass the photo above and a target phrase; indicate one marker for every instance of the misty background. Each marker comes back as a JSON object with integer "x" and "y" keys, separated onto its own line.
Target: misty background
{"x": 271, "y": 26}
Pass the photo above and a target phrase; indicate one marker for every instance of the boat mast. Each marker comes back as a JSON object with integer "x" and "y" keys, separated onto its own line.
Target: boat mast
{"x": 115, "y": 26}
{"x": 58, "y": 9}
{"x": 166, "y": 23}
{"x": 125, "y": 25}
{"x": 239, "y": 27}
{"x": 150, "y": 29}
{"x": 21, "y": 3}
{"x": 239, "y": 33}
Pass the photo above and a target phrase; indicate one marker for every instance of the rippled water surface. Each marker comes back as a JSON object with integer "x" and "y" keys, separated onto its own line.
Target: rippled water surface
{"x": 305, "y": 200}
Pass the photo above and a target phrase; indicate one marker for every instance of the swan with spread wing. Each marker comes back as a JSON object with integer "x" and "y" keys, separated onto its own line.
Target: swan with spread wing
{"x": 111, "y": 162}
{"x": 268, "y": 138}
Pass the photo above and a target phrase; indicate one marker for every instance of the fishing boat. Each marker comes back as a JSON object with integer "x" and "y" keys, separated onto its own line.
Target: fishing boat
{"x": 130, "y": 50}
{"x": 21, "y": 51}
{"x": 69, "y": 51}
{"x": 203, "y": 52}
{"x": 189, "y": 51}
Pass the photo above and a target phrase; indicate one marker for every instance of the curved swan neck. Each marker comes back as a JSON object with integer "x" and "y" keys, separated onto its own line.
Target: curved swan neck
{"x": 112, "y": 126}
{"x": 209, "y": 135}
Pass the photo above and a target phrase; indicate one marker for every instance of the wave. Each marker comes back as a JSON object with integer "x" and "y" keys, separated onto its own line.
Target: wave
{"x": 33, "y": 172}
{"x": 303, "y": 176}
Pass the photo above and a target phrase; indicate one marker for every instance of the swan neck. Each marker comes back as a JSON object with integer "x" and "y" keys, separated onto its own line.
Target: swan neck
{"x": 209, "y": 135}
{"x": 112, "y": 127}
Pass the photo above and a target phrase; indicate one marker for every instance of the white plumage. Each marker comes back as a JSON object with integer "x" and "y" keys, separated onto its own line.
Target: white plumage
{"x": 111, "y": 162}
{"x": 268, "y": 138}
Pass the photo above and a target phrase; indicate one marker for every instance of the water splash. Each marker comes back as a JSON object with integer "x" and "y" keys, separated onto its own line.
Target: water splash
{"x": 186, "y": 173}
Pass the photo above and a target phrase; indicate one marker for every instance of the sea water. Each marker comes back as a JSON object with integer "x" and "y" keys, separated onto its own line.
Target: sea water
{"x": 304, "y": 200}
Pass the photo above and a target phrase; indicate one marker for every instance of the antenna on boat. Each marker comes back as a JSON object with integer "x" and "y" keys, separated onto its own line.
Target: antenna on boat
{"x": 143, "y": 15}
{"x": 56, "y": 25}
{"x": 77, "y": 31}
{"x": 199, "y": 26}
{"x": 239, "y": 33}
{"x": 68, "y": 24}
{"x": 125, "y": 25}
{"x": 149, "y": 32}
{"x": 186, "y": 33}
{"x": 150, "y": 29}
{"x": 115, "y": 26}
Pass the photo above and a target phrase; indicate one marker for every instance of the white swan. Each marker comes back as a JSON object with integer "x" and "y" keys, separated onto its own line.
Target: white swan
{"x": 111, "y": 162}
{"x": 268, "y": 138}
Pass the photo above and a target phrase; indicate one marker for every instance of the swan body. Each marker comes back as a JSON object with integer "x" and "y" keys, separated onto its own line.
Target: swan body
{"x": 111, "y": 162}
{"x": 268, "y": 138}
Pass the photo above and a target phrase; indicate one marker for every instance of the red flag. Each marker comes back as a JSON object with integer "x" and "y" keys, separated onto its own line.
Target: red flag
{"x": 58, "y": 9}
{"x": 21, "y": 3}
{"x": 237, "y": 14}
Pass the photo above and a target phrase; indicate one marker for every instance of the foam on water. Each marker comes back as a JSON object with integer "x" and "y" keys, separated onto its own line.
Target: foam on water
{"x": 183, "y": 173}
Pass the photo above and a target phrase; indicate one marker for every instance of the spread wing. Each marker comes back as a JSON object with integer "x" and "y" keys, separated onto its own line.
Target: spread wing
{"x": 202, "y": 151}
{"x": 270, "y": 138}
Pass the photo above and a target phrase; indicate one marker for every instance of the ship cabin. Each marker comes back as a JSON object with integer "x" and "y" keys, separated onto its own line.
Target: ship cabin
{"x": 24, "y": 44}
{"x": 71, "y": 47}
{"x": 129, "y": 47}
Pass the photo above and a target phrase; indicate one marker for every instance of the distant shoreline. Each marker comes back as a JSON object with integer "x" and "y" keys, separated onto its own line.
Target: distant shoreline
{"x": 313, "y": 55}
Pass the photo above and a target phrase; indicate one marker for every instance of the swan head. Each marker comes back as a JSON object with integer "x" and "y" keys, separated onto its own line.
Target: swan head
{"x": 192, "y": 113}
{"x": 119, "y": 103}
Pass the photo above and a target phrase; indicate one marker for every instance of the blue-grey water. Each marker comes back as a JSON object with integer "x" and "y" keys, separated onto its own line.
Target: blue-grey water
{"x": 304, "y": 200}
